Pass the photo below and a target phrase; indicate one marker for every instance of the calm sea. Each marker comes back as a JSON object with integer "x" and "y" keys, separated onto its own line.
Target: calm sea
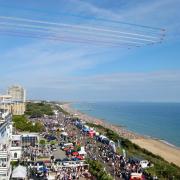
{"x": 158, "y": 120}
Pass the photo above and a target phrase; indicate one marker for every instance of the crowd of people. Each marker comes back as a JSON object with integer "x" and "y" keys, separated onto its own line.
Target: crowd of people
{"x": 66, "y": 130}
{"x": 31, "y": 153}
{"x": 72, "y": 173}
{"x": 117, "y": 164}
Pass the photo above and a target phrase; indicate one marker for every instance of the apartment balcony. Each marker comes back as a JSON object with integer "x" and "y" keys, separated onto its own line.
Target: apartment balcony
{"x": 5, "y": 173}
{"x": 5, "y": 167}
{"x": 4, "y": 154}
{"x": 5, "y": 146}
{"x": 3, "y": 170}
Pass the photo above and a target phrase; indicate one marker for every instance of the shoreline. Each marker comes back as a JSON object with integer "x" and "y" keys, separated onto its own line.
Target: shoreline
{"x": 117, "y": 128}
{"x": 159, "y": 147}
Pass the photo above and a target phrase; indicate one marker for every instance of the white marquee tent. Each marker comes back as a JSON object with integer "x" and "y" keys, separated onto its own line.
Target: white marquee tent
{"x": 19, "y": 172}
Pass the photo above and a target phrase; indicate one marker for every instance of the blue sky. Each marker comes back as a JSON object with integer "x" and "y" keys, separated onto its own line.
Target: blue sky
{"x": 66, "y": 71}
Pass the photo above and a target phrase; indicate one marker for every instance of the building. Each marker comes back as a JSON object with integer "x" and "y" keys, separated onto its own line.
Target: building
{"x": 18, "y": 93}
{"x": 6, "y": 102}
{"x": 30, "y": 139}
{"x": 16, "y": 147}
{"x": 20, "y": 141}
{"x": 18, "y": 108}
{"x": 5, "y": 144}
{"x": 12, "y": 106}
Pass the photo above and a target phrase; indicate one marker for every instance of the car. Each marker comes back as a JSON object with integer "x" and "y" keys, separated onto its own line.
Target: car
{"x": 54, "y": 149}
{"x": 51, "y": 138}
{"x": 65, "y": 159}
{"x": 67, "y": 146}
{"x": 57, "y": 161}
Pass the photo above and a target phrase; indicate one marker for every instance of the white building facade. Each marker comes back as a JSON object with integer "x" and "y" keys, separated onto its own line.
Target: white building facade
{"x": 16, "y": 147}
{"x": 5, "y": 144}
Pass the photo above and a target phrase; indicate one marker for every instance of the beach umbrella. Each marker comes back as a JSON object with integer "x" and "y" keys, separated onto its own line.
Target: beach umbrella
{"x": 79, "y": 157}
{"x": 75, "y": 153}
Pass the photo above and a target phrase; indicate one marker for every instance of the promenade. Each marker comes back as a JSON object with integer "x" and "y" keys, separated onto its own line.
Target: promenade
{"x": 169, "y": 153}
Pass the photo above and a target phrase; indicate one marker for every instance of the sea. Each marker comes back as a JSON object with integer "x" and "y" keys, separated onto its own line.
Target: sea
{"x": 156, "y": 120}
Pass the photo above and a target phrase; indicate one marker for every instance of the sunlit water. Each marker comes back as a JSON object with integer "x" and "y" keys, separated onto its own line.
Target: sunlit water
{"x": 158, "y": 120}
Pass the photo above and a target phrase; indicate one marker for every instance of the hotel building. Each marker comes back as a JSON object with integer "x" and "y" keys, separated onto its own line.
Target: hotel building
{"x": 17, "y": 93}
{"x": 5, "y": 144}
{"x": 14, "y": 102}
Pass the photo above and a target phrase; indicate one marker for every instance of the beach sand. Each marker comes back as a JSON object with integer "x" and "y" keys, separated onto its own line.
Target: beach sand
{"x": 169, "y": 153}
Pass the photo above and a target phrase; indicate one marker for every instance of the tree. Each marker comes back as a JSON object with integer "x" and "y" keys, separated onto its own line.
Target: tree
{"x": 42, "y": 142}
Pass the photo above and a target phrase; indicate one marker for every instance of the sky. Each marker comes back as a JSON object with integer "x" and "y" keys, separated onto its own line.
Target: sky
{"x": 57, "y": 70}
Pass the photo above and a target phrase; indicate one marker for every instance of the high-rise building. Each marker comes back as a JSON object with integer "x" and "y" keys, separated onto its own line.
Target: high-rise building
{"x": 14, "y": 107}
{"x": 5, "y": 144}
{"x": 14, "y": 102}
{"x": 17, "y": 92}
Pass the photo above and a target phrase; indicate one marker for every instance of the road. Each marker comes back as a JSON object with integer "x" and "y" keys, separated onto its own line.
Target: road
{"x": 59, "y": 154}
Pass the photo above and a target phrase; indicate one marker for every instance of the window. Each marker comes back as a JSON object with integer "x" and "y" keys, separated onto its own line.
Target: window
{"x": 15, "y": 155}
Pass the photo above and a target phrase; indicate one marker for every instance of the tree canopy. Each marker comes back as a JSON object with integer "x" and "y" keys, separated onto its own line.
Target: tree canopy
{"x": 21, "y": 123}
{"x": 38, "y": 109}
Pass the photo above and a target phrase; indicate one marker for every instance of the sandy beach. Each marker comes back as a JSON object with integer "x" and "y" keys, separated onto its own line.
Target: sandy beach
{"x": 169, "y": 153}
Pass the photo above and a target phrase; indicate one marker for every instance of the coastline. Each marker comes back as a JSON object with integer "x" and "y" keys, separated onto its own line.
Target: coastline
{"x": 159, "y": 147}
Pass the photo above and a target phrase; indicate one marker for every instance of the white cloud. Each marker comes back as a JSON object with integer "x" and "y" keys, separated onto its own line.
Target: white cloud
{"x": 48, "y": 69}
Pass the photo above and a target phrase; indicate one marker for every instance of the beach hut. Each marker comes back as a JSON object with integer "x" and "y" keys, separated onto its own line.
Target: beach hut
{"x": 19, "y": 173}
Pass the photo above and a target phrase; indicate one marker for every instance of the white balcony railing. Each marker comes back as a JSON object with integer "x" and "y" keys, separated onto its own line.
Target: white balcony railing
{"x": 3, "y": 172}
{"x": 4, "y": 154}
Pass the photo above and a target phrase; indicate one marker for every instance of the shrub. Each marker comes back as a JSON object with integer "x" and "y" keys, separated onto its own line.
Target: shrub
{"x": 38, "y": 109}
{"x": 161, "y": 168}
{"x": 97, "y": 169}
{"x": 21, "y": 123}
